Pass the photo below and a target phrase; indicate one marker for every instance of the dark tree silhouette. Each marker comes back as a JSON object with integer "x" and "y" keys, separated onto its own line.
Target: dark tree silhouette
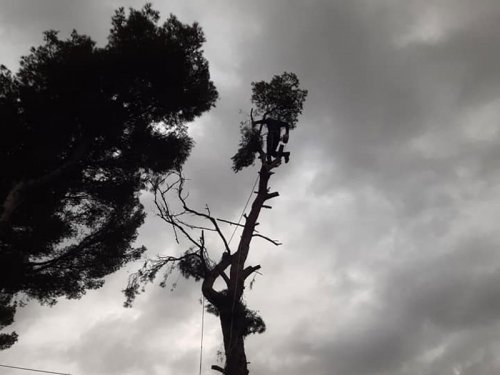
{"x": 81, "y": 130}
{"x": 280, "y": 98}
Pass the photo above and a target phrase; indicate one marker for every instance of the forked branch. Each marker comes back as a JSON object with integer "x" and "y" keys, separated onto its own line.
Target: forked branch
{"x": 201, "y": 214}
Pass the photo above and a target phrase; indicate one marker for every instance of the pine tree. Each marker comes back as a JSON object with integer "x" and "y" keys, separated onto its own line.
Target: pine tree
{"x": 82, "y": 128}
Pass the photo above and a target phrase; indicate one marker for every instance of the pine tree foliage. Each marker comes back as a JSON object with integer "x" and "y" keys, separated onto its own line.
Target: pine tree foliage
{"x": 281, "y": 98}
{"x": 82, "y": 128}
{"x": 250, "y": 145}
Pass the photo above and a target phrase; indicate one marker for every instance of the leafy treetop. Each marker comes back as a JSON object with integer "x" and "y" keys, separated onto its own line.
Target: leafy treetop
{"x": 281, "y": 99}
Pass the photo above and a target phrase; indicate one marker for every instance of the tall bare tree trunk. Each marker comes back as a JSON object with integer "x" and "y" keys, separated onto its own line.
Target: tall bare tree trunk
{"x": 231, "y": 310}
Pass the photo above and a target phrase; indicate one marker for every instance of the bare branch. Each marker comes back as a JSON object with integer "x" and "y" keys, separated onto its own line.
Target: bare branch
{"x": 213, "y": 296}
{"x": 223, "y": 275}
{"x": 272, "y": 195}
{"x": 201, "y": 214}
{"x": 192, "y": 226}
{"x": 180, "y": 226}
{"x": 222, "y": 265}
{"x": 231, "y": 222}
{"x": 170, "y": 218}
{"x": 249, "y": 270}
{"x": 274, "y": 242}
{"x": 218, "y": 368}
{"x": 69, "y": 252}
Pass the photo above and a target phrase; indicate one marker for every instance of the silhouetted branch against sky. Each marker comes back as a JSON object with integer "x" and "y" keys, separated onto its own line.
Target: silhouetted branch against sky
{"x": 388, "y": 209}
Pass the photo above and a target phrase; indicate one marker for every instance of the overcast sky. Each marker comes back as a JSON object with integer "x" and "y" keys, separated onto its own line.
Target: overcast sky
{"x": 387, "y": 210}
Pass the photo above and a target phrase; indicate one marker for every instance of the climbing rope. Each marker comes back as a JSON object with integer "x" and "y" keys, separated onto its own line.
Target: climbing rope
{"x": 244, "y": 209}
{"x": 202, "y": 328}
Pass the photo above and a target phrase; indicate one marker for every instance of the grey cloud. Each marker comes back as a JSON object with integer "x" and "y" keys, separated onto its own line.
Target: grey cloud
{"x": 387, "y": 211}
{"x": 453, "y": 290}
{"x": 22, "y": 23}
{"x": 379, "y": 96}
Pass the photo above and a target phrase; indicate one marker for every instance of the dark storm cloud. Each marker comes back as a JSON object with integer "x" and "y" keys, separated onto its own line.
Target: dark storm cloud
{"x": 388, "y": 208}
{"x": 397, "y": 112}
{"x": 22, "y": 23}
{"x": 380, "y": 96}
{"x": 142, "y": 343}
{"x": 427, "y": 315}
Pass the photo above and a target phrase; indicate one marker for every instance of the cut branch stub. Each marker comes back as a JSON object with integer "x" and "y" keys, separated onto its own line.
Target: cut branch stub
{"x": 272, "y": 195}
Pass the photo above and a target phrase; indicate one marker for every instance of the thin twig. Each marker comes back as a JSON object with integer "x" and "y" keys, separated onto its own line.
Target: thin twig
{"x": 274, "y": 242}
{"x": 231, "y": 222}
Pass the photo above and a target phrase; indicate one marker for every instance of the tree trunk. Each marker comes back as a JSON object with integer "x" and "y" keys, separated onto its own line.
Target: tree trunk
{"x": 234, "y": 346}
{"x": 232, "y": 311}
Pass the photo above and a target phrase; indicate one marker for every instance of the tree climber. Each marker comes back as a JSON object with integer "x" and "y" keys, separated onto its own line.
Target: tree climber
{"x": 274, "y": 136}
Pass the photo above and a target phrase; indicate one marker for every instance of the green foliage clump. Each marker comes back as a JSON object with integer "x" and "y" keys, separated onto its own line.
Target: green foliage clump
{"x": 250, "y": 145}
{"x": 191, "y": 265}
{"x": 7, "y": 310}
{"x": 253, "y": 323}
{"x": 250, "y": 323}
{"x": 281, "y": 98}
{"x": 82, "y": 128}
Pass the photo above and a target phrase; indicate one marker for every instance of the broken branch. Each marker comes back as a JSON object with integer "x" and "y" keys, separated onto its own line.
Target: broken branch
{"x": 272, "y": 195}
{"x": 274, "y": 242}
{"x": 249, "y": 270}
{"x": 218, "y": 368}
